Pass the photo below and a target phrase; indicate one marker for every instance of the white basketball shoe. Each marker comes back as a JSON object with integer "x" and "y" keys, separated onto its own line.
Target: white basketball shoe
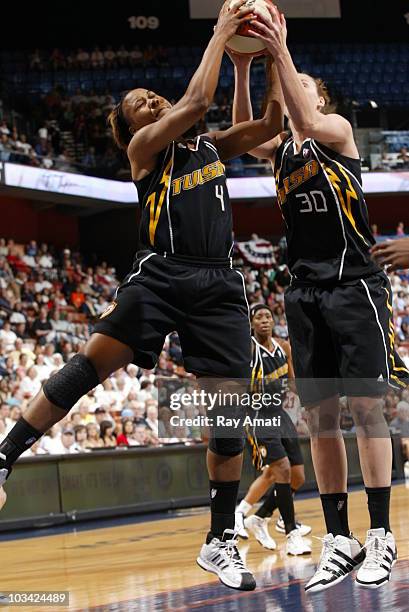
{"x": 339, "y": 557}
{"x": 296, "y": 545}
{"x": 304, "y": 529}
{"x": 221, "y": 557}
{"x": 258, "y": 527}
{"x": 381, "y": 555}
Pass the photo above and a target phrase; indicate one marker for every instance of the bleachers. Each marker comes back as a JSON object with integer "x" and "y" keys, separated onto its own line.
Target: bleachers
{"x": 362, "y": 72}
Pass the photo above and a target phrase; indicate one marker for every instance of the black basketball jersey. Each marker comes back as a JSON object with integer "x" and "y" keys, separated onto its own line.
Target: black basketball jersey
{"x": 323, "y": 205}
{"x": 185, "y": 203}
{"x": 269, "y": 369}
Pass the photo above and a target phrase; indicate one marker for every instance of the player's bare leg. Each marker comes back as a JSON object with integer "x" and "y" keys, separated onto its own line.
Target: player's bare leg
{"x": 375, "y": 455}
{"x": 341, "y": 553}
{"x": 328, "y": 447}
{"x": 262, "y": 484}
{"x": 219, "y": 554}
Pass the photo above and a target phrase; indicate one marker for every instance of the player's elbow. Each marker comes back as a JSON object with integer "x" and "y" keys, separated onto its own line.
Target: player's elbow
{"x": 198, "y": 105}
{"x": 306, "y": 126}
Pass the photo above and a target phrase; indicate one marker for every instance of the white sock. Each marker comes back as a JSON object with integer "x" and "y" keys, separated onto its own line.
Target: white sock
{"x": 244, "y": 507}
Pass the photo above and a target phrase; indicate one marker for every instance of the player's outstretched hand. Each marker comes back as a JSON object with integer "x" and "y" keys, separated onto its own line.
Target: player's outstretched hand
{"x": 272, "y": 30}
{"x": 3, "y": 497}
{"x": 231, "y": 18}
{"x": 393, "y": 253}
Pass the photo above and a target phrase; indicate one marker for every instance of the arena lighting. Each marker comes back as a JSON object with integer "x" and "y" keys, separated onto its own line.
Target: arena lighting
{"x": 373, "y": 104}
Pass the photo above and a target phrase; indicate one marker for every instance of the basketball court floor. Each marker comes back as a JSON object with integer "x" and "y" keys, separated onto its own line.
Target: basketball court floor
{"x": 149, "y": 565}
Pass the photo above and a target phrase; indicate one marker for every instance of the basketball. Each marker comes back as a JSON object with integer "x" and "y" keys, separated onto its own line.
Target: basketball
{"x": 244, "y": 44}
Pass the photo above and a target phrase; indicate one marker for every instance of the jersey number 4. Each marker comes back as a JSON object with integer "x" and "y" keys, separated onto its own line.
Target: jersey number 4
{"x": 313, "y": 202}
{"x": 220, "y": 196}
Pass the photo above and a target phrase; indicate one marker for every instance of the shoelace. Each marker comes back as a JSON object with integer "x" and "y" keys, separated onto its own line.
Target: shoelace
{"x": 374, "y": 552}
{"x": 230, "y": 548}
{"x": 326, "y": 554}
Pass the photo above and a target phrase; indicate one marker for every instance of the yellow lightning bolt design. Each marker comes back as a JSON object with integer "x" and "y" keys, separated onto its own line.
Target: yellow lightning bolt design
{"x": 392, "y": 342}
{"x": 154, "y": 213}
{"x": 349, "y": 192}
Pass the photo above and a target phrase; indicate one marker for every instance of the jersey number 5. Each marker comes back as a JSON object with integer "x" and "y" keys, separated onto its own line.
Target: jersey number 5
{"x": 313, "y": 202}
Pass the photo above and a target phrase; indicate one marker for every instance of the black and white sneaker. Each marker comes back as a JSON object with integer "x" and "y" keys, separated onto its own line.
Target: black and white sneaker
{"x": 339, "y": 557}
{"x": 221, "y": 557}
{"x": 381, "y": 555}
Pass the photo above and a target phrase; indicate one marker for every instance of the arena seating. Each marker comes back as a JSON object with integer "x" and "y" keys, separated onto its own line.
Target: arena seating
{"x": 362, "y": 72}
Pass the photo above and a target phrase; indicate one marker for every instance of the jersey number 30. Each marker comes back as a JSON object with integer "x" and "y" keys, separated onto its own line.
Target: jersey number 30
{"x": 313, "y": 202}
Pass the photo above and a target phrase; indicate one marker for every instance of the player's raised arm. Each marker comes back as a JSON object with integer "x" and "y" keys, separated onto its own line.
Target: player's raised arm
{"x": 248, "y": 135}
{"x": 302, "y": 110}
{"x": 242, "y": 108}
{"x": 166, "y": 122}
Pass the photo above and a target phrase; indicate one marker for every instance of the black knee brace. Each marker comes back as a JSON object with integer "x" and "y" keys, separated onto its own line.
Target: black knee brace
{"x": 76, "y": 378}
{"x": 227, "y": 447}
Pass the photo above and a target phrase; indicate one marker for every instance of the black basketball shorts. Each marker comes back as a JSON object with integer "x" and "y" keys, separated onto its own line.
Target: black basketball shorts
{"x": 203, "y": 300}
{"x": 267, "y": 450}
{"x": 342, "y": 339}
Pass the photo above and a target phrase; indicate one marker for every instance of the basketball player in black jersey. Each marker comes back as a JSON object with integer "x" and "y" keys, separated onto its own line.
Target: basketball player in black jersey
{"x": 338, "y": 308}
{"x": 182, "y": 281}
{"x": 277, "y": 454}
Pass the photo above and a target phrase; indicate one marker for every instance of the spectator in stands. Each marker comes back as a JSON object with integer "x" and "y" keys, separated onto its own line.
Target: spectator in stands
{"x": 8, "y": 336}
{"x": 126, "y": 437}
{"x": 42, "y": 326}
{"x": 82, "y": 58}
{"x": 57, "y": 59}
{"x": 152, "y": 415}
{"x": 68, "y": 446}
{"x": 36, "y": 61}
{"x": 31, "y": 384}
{"x": 400, "y": 230}
{"x": 374, "y": 229}
{"x": 97, "y": 58}
{"x": 51, "y": 441}
{"x": 122, "y": 55}
{"x": 107, "y": 434}
{"x": 135, "y": 55}
{"x": 94, "y": 439}
{"x": 80, "y": 444}
{"x": 401, "y": 422}
{"x": 141, "y": 435}
{"x": 100, "y": 415}
{"x": 89, "y": 160}
{"x": 65, "y": 161}
{"x": 35, "y": 451}
{"x": 109, "y": 57}
{"x": 5, "y": 148}
{"x": 4, "y": 129}
{"x": 404, "y": 157}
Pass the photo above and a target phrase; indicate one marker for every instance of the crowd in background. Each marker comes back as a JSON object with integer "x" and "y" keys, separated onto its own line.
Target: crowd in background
{"x": 49, "y": 300}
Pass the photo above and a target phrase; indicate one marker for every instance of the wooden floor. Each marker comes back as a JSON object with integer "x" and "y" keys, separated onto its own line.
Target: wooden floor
{"x": 151, "y": 566}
